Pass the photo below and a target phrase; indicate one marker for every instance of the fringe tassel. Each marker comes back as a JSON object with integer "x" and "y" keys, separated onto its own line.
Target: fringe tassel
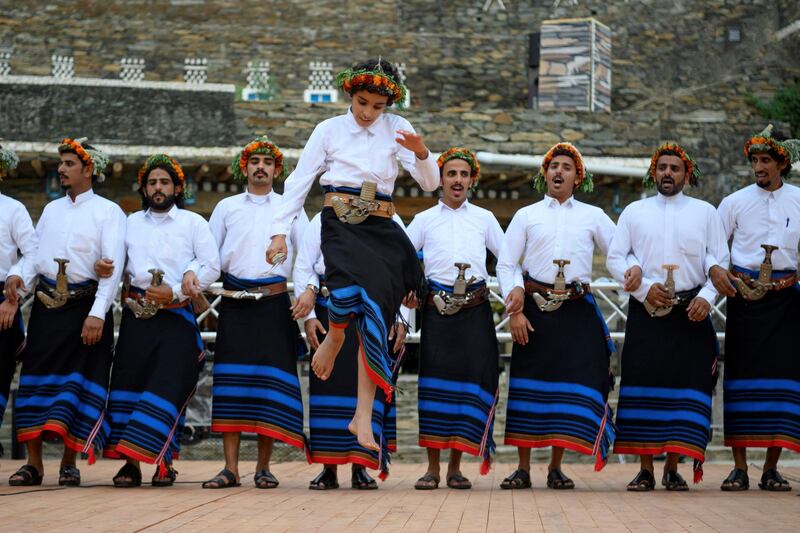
{"x": 307, "y": 448}
{"x": 92, "y": 456}
{"x": 162, "y": 468}
{"x": 486, "y": 465}
{"x": 604, "y": 440}
{"x": 488, "y": 446}
{"x": 698, "y": 471}
{"x": 384, "y": 458}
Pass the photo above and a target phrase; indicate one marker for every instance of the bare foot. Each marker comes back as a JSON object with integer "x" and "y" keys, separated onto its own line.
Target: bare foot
{"x": 364, "y": 435}
{"x": 325, "y": 356}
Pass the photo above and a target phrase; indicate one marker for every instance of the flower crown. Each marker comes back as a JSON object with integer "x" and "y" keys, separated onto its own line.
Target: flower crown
{"x": 8, "y": 160}
{"x": 692, "y": 169}
{"x": 465, "y": 155}
{"x": 161, "y": 160}
{"x": 583, "y": 181}
{"x": 89, "y": 156}
{"x": 373, "y": 80}
{"x": 764, "y": 142}
{"x": 260, "y": 145}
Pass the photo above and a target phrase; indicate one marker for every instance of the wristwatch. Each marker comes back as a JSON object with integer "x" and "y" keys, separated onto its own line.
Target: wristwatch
{"x": 313, "y": 288}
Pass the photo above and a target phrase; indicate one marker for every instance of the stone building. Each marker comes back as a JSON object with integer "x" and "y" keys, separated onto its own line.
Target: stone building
{"x": 197, "y": 78}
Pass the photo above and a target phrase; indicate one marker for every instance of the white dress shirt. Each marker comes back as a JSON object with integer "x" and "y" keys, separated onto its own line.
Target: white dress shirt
{"x": 675, "y": 230}
{"x": 242, "y": 225}
{"x": 310, "y": 265}
{"x": 16, "y": 235}
{"x": 346, "y": 155}
{"x": 448, "y": 236}
{"x": 548, "y": 230}
{"x": 754, "y": 217}
{"x": 170, "y": 241}
{"x": 82, "y": 231}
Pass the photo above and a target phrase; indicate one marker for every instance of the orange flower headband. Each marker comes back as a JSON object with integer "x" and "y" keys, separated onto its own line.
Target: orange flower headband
{"x": 89, "y": 156}
{"x": 375, "y": 79}
{"x": 583, "y": 180}
{"x": 764, "y": 142}
{"x": 692, "y": 169}
{"x": 260, "y": 145}
{"x": 460, "y": 153}
{"x": 157, "y": 160}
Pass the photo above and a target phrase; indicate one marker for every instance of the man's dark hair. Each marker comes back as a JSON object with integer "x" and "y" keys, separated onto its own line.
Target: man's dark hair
{"x": 563, "y": 151}
{"x": 779, "y": 136}
{"x": 371, "y": 64}
{"x": 175, "y": 180}
{"x": 676, "y": 154}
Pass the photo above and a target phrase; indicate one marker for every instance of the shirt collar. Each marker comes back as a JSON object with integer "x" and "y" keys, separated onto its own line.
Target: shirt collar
{"x": 462, "y": 207}
{"x": 258, "y": 198}
{"x": 676, "y": 199}
{"x": 552, "y": 202}
{"x": 82, "y": 198}
{"x": 172, "y": 213}
{"x": 762, "y": 193}
{"x": 355, "y": 128}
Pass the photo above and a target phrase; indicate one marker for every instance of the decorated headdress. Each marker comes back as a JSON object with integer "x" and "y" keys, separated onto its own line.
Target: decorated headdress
{"x": 8, "y": 161}
{"x": 464, "y": 154}
{"x": 374, "y": 79}
{"x": 583, "y": 181}
{"x": 764, "y": 142}
{"x": 88, "y": 154}
{"x": 692, "y": 169}
{"x": 260, "y": 145}
{"x": 161, "y": 161}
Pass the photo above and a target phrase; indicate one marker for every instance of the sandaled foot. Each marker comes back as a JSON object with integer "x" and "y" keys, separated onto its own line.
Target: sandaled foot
{"x": 127, "y": 477}
{"x": 519, "y": 479}
{"x": 69, "y": 476}
{"x": 360, "y": 480}
{"x": 772, "y": 480}
{"x": 643, "y": 482}
{"x": 737, "y": 480}
{"x": 224, "y": 480}
{"x": 364, "y": 434}
{"x": 26, "y": 476}
{"x": 325, "y": 357}
{"x": 457, "y": 481}
{"x": 164, "y": 481}
{"x": 558, "y": 481}
{"x": 326, "y": 480}
{"x": 265, "y": 480}
{"x": 672, "y": 480}
{"x": 427, "y": 482}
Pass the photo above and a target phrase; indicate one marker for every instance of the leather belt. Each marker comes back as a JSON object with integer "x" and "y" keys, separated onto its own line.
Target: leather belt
{"x": 685, "y": 297}
{"x": 778, "y": 284}
{"x": 571, "y": 292}
{"x": 268, "y": 290}
{"x": 385, "y": 209}
{"x": 73, "y": 294}
{"x": 138, "y": 296}
{"x": 474, "y": 298}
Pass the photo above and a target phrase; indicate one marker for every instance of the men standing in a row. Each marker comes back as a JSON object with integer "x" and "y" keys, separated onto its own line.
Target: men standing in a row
{"x": 559, "y": 383}
{"x": 332, "y": 402}
{"x": 459, "y": 360}
{"x": 256, "y": 388}
{"x": 762, "y": 370}
{"x": 670, "y": 352}
{"x": 16, "y": 233}
{"x": 159, "y": 352}
{"x": 68, "y": 352}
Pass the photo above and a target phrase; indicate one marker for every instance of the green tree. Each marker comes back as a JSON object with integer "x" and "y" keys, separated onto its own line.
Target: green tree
{"x": 784, "y": 106}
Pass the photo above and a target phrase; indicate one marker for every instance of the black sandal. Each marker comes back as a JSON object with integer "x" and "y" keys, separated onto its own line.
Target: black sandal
{"x": 519, "y": 479}
{"x": 224, "y": 480}
{"x": 360, "y": 480}
{"x": 737, "y": 480}
{"x": 643, "y": 482}
{"x": 773, "y": 481}
{"x": 30, "y": 477}
{"x": 69, "y": 476}
{"x": 127, "y": 477}
{"x": 672, "y": 480}
{"x": 457, "y": 481}
{"x": 167, "y": 481}
{"x": 325, "y": 480}
{"x": 558, "y": 481}
{"x": 427, "y": 482}
{"x": 265, "y": 480}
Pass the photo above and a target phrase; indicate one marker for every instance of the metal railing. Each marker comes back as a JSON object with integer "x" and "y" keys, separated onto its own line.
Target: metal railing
{"x": 611, "y": 299}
